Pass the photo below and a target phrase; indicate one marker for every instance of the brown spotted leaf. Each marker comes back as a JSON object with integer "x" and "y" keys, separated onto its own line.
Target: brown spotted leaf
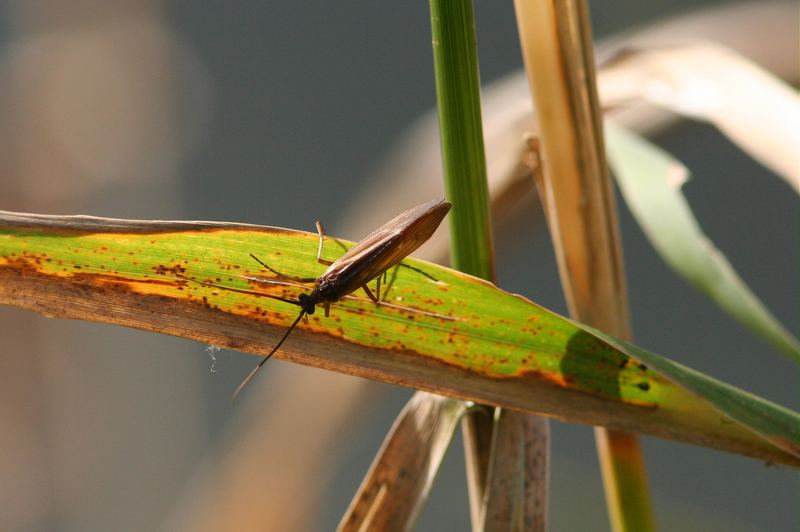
{"x": 460, "y": 336}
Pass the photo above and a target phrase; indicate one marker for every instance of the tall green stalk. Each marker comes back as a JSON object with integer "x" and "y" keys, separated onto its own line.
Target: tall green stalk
{"x": 458, "y": 93}
{"x": 455, "y": 58}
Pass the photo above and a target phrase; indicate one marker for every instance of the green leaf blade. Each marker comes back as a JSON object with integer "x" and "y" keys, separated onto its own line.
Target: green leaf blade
{"x": 772, "y": 422}
{"x": 650, "y": 181}
{"x": 465, "y": 337}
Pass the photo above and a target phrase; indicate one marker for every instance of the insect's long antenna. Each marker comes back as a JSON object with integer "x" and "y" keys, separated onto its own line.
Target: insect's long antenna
{"x": 255, "y": 370}
{"x": 283, "y": 275}
{"x": 261, "y": 263}
{"x": 240, "y": 290}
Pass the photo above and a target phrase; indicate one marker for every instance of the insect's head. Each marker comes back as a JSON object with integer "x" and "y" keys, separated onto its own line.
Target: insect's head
{"x": 307, "y": 303}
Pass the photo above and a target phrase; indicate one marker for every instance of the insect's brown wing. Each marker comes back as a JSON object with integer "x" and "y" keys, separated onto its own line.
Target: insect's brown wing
{"x": 383, "y": 248}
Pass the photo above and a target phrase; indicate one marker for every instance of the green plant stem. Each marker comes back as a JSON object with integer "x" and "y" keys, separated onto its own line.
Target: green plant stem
{"x": 461, "y": 131}
{"x": 464, "y": 168}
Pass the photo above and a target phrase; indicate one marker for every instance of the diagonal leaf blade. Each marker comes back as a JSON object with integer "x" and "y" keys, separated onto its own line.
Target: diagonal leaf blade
{"x": 650, "y": 181}
{"x": 776, "y": 424}
{"x": 467, "y": 339}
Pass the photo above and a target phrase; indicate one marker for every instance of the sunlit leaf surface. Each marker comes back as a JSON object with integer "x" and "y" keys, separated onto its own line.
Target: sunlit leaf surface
{"x": 458, "y": 336}
{"x": 651, "y": 180}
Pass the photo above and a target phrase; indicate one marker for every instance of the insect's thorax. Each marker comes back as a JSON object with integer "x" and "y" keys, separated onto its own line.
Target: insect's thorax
{"x": 325, "y": 289}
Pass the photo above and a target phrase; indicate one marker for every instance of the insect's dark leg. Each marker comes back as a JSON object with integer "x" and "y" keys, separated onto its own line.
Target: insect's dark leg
{"x": 378, "y": 287}
{"x": 386, "y": 290}
{"x": 429, "y": 276}
{"x": 321, "y": 233}
{"x": 390, "y": 283}
{"x": 388, "y": 286}
{"x": 327, "y": 307}
{"x": 370, "y": 294}
{"x": 283, "y": 275}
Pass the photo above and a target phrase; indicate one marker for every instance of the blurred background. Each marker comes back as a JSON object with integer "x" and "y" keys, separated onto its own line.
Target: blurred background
{"x": 282, "y": 114}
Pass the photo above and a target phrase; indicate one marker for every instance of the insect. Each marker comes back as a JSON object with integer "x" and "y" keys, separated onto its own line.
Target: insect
{"x": 368, "y": 260}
